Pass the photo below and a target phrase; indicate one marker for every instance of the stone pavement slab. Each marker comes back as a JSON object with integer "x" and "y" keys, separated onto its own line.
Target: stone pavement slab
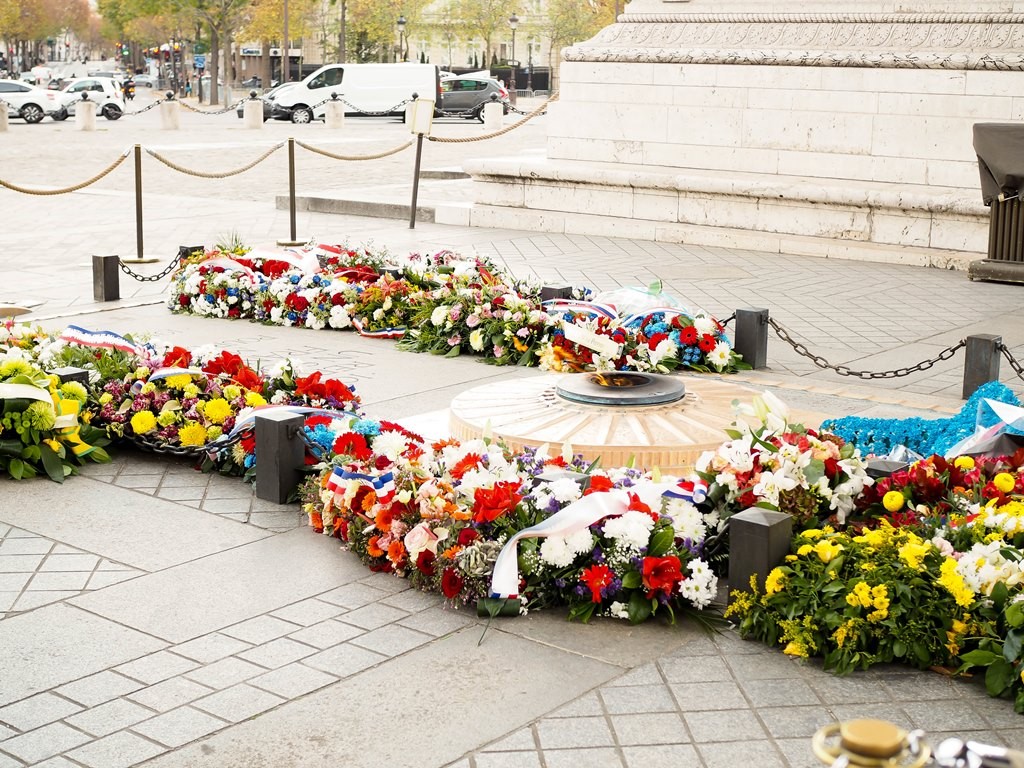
{"x": 60, "y": 643}
{"x": 213, "y": 592}
{"x": 99, "y": 518}
{"x": 466, "y": 694}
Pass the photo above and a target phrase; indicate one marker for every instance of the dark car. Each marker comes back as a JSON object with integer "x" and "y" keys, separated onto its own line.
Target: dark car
{"x": 467, "y": 96}
{"x": 268, "y": 105}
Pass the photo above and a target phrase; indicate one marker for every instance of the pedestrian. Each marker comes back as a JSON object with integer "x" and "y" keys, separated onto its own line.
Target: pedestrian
{"x": 188, "y": 87}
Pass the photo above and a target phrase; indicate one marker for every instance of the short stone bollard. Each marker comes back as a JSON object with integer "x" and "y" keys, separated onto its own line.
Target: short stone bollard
{"x": 758, "y": 541}
{"x": 552, "y": 292}
{"x": 493, "y": 116}
{"x": 280, "y": 453}
{"x": 3, "y": 118}
{"x": 105, "y": 271}
{"x": 170, "y": 114}
{"x": 252, "y": 113}
{"x": 334, "y": 117}
{"x": 85, "y": 115}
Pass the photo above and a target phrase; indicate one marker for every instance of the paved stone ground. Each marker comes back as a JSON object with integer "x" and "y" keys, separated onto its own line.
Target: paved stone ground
{"x": 153, "y": 615}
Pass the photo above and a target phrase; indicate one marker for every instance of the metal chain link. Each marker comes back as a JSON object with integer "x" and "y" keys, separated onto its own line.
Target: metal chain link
{"x": 381, "y": 113}
{"x": 375, "y": 156}
{"x": 844, "y": 370}
{"x": 156, "y": 103}
{"x": 538, "y": 111}
{"x": 198, "y": 111}
{"x": 513, "y": 108}
{"x": 174, "y": 264}
{"x": 1017, "y": 367}
{"x": 73, "y": 187}
{"x": 221, "y": 175}
{"x": 316, "y": 449}
{"x": 728, "y": 320}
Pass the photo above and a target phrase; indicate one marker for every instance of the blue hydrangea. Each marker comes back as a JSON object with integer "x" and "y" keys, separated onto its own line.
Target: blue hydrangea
{"x": 366, "y": 427}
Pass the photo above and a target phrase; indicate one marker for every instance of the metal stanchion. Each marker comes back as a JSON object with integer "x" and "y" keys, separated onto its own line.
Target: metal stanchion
{"x": 138, "y": 212}
{"x": 420, "y": 118}
{"x": 293, "y": 240}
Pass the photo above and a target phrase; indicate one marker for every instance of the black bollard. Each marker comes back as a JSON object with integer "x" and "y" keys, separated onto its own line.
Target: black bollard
{"x": 758, "y": 541}
{"x": 72, "y": 374}
{"x": 981, "y": 364}
{"x": 105, "y": 285}
{"x": 752, "y": 336}
{"x": 279, "y": 455}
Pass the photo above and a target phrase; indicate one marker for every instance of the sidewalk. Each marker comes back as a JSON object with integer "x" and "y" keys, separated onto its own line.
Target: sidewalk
{"x": 153, "y": 615}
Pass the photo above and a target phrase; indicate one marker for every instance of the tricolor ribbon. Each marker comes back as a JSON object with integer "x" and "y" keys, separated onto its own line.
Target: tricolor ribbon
{"x": 73, "y": 334}
{"x": 230, "y": 265}
{"x": 247, "y": 417}
{"x": 694, "y": 491}
{"x": 383, "y": 485}
{"x": 667, "y": 311}
{"x": 383, "y": 333}
{"x": 580, "y": 308}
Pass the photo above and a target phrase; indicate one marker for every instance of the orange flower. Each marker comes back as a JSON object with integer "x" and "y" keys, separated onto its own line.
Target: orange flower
{"x": 466, "y": 463}
{"x": 316, "y": 520}
{"x": 396, "y": 553}
{"x": 383, "y": 519}
{"x": 368, "y": 501}
{"x": 371, "y": 547}
{"x": 443, "y": 444}
{"x": 451, "y": 552}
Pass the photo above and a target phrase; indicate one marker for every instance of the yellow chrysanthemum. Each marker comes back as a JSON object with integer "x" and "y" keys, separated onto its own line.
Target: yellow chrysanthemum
{"x": 951, "y": 580}
{"x": 212, "y": 433}
{"x": 811, "y": 533}
{"x": 796, "y": 648}
{"x": 231, "y": 391}
{"x": 143, "y": 422}
{"x": 775, "y": 581}
{"x": 913, "y": 552}
{"x": 192, "y": 434}
{"x": 178, "y": 381}
{"x": 964, "y": 462}
{"x": 217, "y": 410}
{"x": 1004, "y": 481}
{"x": 805, "y": 549}
{"x": 105, "y": 398}
{"x": 893, "y": 501}
{"x": 166, "y": 418}
{"x": 254, "y": 399}
{"x": 190, "y": 390}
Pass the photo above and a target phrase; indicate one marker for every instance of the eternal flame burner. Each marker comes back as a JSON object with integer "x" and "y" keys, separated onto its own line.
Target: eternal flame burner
{"x": 621, "y": 388}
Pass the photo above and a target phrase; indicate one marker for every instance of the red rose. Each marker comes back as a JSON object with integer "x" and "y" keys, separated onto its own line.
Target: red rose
{"x": 425, "y": 562}
{"x": 661, "y": 574}
{"x": 707, "y": 342}
{"x": 183, "y": 299}
{"x": 467, "y": 536}
{"x": 490, "y": 504}
{"x": 451, "y": 583}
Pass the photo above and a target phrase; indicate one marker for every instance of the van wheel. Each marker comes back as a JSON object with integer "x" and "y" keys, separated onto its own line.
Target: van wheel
{"x": 478, "y": 113}
{"x": 302, "y": 115}
{"x": 111, "y": 112}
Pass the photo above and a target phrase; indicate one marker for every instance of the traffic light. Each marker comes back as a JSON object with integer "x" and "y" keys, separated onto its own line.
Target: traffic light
{"x": 125, "y": 50}
{"x": 177, "y": 51}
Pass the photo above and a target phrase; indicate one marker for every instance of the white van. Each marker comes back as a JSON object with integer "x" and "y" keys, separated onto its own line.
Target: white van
{"x": 372, "y": 88}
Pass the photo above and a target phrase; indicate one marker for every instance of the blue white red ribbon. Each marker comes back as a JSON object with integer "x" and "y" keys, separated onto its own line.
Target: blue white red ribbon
{"x": 383, "y": 333}
{"x": 383, "y": 485}
{"x": 669, "y": 312}
{"x": 247, "y": 416}
{"x": 694, "y": 491}
{"x": 230, "y": 265}
{"x": 591, "y": 308}
{"x": 74, "y": 334}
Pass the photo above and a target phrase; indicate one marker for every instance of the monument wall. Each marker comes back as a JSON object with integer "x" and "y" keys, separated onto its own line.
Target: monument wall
{"x": 842, "y": 132}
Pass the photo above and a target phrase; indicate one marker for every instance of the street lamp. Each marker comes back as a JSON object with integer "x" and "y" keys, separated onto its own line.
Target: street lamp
{"x": 401, "y": 38}
{"x": 513, "y": 22}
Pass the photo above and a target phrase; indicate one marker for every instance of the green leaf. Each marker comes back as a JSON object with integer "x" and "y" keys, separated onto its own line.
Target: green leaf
{"x": 454, "y": 351}
{"x": 52, "y": 463}
{"x": 631, "y": 580}
{"x": 1000, "y": 594}
{"x": 998, "y": 677}
{"x": 1012, "y": 645}
{"x": 661, "y": 541}
{"x": 639, "y": 608}
{"x": 16, "y": 468}
{"x": 582, "y": 612}
{"x": 814, "y": 471}
{"x": 1015, "y": 614}
{"x": 899, "y": 649}
{"x": 921, "y": 653}
{"x": 978, "y": 658}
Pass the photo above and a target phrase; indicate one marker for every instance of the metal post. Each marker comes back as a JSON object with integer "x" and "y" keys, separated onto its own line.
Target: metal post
{"x": 293, "y": 238}
{"x": 752, "y": 336}
{"x": 72, "y": 374}
{"x": 981, "y": 364}
{"x": 138, "y": 201}
{"x": 416, "y": 181}
{"x": 758, "y": 541}
{"x": 105, "y": 286}
{"x": 279, "y": 455}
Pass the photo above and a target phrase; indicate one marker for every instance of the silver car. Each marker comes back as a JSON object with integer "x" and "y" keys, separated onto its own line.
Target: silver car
{"x": 467, "y": 96}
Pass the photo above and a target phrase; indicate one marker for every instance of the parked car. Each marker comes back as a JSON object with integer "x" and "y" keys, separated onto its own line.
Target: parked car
{"x": 268, "y": 103}
{"x": 146, "y": 81}
{"x": 466, "y": 96}
{"x": 26, "y": 101}
{"x": 104, "y": 92}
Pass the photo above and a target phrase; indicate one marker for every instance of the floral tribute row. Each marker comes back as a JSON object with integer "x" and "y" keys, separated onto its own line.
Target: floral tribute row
{"x": 448, "y": 305}
{"x": 923, "y": 567}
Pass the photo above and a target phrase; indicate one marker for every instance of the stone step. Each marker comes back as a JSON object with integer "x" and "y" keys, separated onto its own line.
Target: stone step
{"x": 444, "y": 187}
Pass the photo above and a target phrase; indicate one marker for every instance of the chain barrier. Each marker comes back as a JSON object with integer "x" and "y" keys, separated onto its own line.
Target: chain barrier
{"x": 208, "y": 175}
{"x": 156, "y": 103}
{"x": 376, "y": 156}
{"x": 226, "y": 109}
{"x": 843, "y": 370}
{"x": 173, "y": 265}
{"x": 538, "y": 111}
{"x": 513, "y": 108}
{"x": 1014, "y": 364}
{"x": 315, "y": 449}
{"x": 381, "y": 113}
{"x": 728, "y": 320}
{"x": 73, "y": 187}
